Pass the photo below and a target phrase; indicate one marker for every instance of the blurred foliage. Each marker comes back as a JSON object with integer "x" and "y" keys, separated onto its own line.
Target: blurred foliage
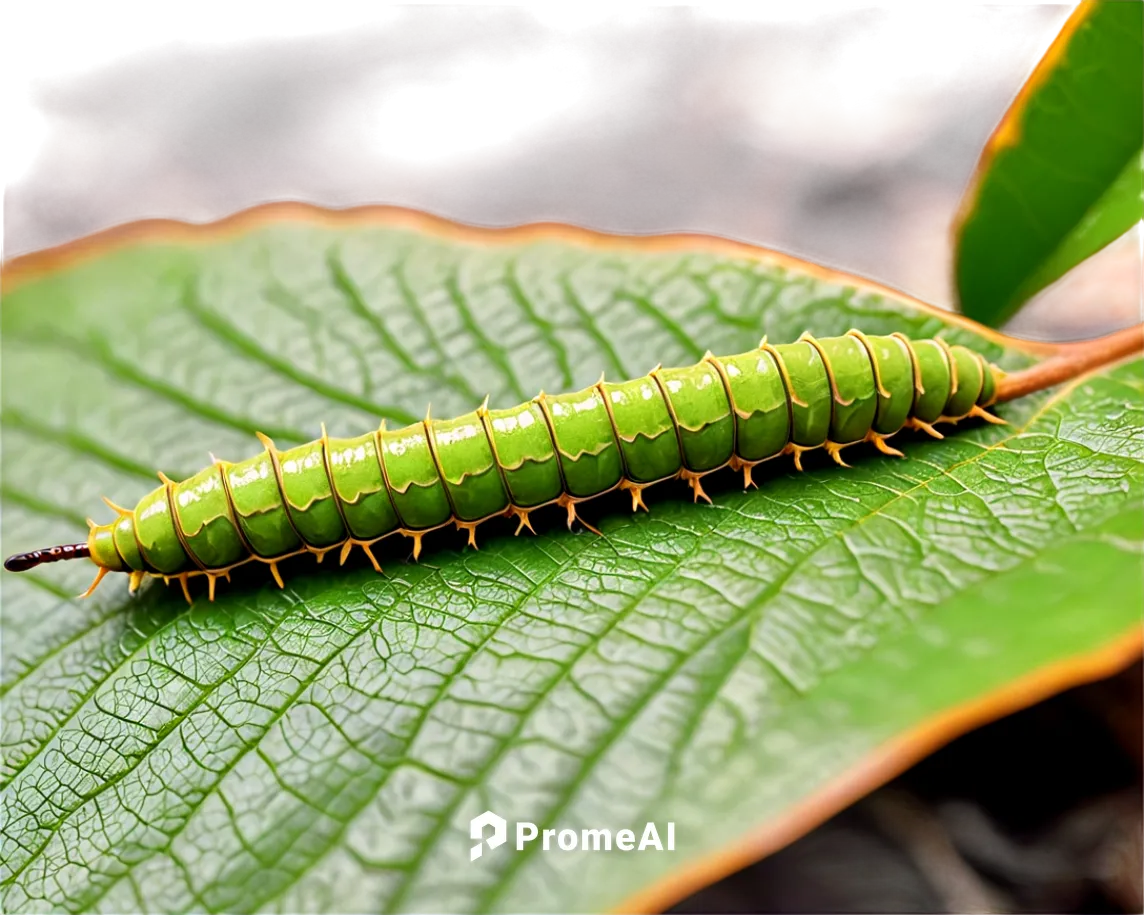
{"x": 1062, "y": 175}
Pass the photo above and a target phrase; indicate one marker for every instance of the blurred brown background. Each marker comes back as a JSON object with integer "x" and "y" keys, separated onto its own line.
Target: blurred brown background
{"x": 839, "y": 134}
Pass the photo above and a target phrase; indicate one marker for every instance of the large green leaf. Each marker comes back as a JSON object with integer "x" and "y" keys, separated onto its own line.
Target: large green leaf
{"x": 1062, "y": 176}
{"x": 739, "y": 669}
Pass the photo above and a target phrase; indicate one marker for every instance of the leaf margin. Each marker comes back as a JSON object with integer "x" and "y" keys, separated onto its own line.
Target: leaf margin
{"x": 25, "y": 268}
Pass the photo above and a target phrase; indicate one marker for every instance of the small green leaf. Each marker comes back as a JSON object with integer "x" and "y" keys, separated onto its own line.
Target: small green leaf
{"x": 726, "y": 667}
{"x": 1062, "y": 175}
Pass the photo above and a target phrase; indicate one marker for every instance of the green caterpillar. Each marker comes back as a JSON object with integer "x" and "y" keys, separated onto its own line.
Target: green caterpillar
{"x": 732, "y": 411}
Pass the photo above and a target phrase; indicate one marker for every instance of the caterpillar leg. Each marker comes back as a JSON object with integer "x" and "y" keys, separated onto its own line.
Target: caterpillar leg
{"x": 471, "y": 527}
{"x": 521, "y": 514}
{"x": 747, "y": 481}
{"x": 693, "y": 479}
{"x": 913, "y": 423}
{"x": 984, "y": 414}
{"x": 570, "y": 504}
{"x": 879, "y": 442}
{"x": 737, "y": 463}
{"x": 347, "y": 548}
{"x": 372, "y": 559}
{"x": 835, "y": 451}
{"x": 134, "y": 580}
{"x": 636, "y": 490}
{"x": 416, "y": 537}
{"x": 277, "y": 575}
{"x": 182, "y": 579}
{"x": 212, "y": 578}
{"x": 974, "y": 411}
{"x": 797, "y": 451}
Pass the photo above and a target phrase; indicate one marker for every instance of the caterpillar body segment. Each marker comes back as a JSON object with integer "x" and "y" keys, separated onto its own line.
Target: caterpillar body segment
{"x": 341, "y": 493}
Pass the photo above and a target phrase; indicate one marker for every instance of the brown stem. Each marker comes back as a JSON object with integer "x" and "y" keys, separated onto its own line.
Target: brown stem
{"x": 1071, "y": 360}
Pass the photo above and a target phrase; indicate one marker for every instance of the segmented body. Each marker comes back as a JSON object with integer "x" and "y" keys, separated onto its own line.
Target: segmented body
{"x": 737, "y": 411}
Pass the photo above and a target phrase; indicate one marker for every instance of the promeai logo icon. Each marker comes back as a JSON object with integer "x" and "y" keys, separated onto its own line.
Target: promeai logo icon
{"x": 477, "y": 831}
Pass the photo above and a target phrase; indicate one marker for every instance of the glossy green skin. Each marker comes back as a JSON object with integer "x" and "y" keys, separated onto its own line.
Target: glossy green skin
{"x": 524, "y": 449}
{"x": 125, "y": 547}
{"x": 746, "y": 408}
{"x": 936, "y": 381}
{"x": 414, "y": 482}
{"x": 644, "y": 428}
{"x": 101, "y": 543}
{"x": 810, "y": 393}
{"x": 762, "y": 414}
{"x": 702, "y": 410}
{"x": 896, "y": 376}
{"x": 204, "y": 519}
{"x": 590, "y": 459}
{"x": 465, "y": 458}
{"x": 309, "y": 497}
{"x": 968, "y": 371}
{"x": 988, "y": 385}
{"x": 355, "y": 471}
{"x": 155, "y": 533}
{"x": 855, "y": 397}
{"x": 258, "y": 506}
